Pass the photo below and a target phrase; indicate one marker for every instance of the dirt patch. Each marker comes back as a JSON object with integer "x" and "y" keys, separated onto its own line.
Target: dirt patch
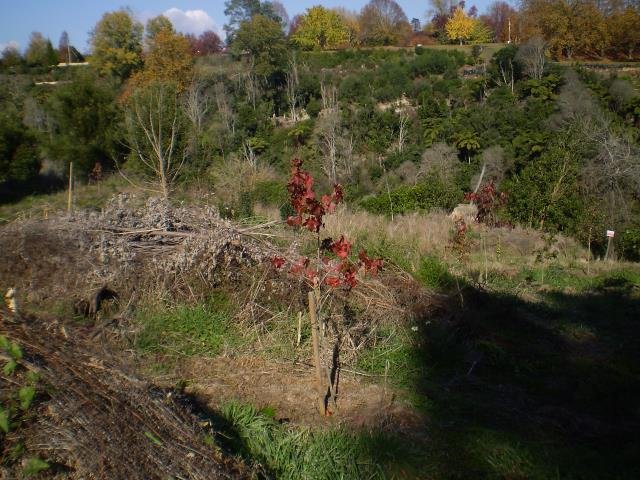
{"x": 290, "y": 389}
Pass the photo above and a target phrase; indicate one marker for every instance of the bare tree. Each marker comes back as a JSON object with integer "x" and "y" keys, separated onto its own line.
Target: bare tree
{"x": 613, "y": 175}
{"x": 328, "y": 125}
{"x": 155, "y": 128}
{"x": 292, "y": 86}
{"x": 196, "y": 105}
{"x": 402, "y": 129}
{"x": 224, "y": 109}
{"x": 533, "y": 57}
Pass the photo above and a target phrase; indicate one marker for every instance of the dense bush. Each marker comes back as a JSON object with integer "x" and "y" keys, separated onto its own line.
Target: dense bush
{"x": 427, "y": 195}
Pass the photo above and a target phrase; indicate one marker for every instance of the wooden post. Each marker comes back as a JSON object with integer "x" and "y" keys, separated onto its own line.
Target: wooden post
{"x": 606, "y": 255}
{"x": 70, "y": 199}
{"x": 313, "y": 316}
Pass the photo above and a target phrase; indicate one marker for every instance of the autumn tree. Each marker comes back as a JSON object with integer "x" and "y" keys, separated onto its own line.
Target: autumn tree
{"x": 320, "y": 28}
{"x": 383, "y": 22}
{"x": 206, "y": 43}
{"x": 116, "y": 41}
{"x": 498, "y": 17}
{"x": 168, "y": 59}
{"x": 460, "y": 26}
{"x": 352, "y": 23}
{"x": 40, "y": 52}
{"x": 624, "y": 33}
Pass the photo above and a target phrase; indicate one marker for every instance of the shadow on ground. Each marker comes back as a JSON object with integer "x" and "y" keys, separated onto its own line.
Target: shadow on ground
{"x": 545, "y": 389}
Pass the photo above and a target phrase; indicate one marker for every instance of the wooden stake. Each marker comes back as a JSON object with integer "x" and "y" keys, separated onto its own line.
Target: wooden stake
{"x": 606, "y": 255}
{"x": 70, "y": 199}
{"x": 313, "y": 316}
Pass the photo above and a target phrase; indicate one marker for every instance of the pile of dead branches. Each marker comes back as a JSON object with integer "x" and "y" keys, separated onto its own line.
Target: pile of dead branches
{"x": 92, "y": 419}
{"x": 151, "y": 247}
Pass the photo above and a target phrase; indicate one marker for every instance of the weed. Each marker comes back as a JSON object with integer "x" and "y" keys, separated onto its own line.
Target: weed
{"x": 188, "y": 330}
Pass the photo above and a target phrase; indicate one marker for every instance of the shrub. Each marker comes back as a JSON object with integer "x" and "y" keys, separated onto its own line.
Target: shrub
{"x": 630, "y": 244}
{"x": 425, "y": 196}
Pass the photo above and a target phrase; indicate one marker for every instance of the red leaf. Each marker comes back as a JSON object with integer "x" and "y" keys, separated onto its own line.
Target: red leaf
{"x": 294, "y": 221}
{"x": 277, "y": 262}
{"x": 341, "y": 247}
{"x": 312, "y": 224}
{"x": 338, "y": 193}
{"x": 333, "y": 282}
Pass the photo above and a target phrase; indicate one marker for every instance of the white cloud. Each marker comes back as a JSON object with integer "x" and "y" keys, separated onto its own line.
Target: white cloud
{"x": 191, "y": 21}
{"x": 12, "y": 44}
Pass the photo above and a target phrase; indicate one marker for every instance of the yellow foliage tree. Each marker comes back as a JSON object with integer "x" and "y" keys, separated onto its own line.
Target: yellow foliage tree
{"x": 169, "y": 59}
{"x": 321, "y": 28}
{"x": 460, "y": 26}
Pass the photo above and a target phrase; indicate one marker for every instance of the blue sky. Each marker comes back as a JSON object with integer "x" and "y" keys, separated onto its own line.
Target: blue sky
{"x": 77, "y": 17}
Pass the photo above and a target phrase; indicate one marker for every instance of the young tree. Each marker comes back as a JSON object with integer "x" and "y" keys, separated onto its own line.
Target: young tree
{"x": 116, "y": 42}
{"x": 320, "y": 28}
{"x": 11, "y": 57}
{"x": 40, "y": 52}
{"x": 383, "y": 22}
{"x": 460, "y": 26}
{"x": 155, "y": 125}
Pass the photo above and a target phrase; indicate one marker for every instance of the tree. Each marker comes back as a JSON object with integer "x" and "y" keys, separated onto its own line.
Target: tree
{"x": 116, "y": 42}
{"x": 320, "y": 28}
{"x": 19, "y": 159}
{"x": 239, "y": 11}
{"x": 156, "y": 25}
{"x": 11, "y": 57}
{"x": 533, "y": 56}
{"x": 624, "y": 32}
{"x": 168, "y": 59}
{"x": 383, "y": 22}
{"x": 481, "y": 33}
{"x": 85, "y": 123}
{"x": 155, "y": 126}
{"x": 352, "y": 23}
{"x": 281, "y": 12}
{"x": 208, "y": 42}
{"x": 460, "y": 26}
{"x": 40, "y": 52}
{"x": 64, "y": 48}
{"x": 498, "y": 17}
{"x": 263, "y": 40}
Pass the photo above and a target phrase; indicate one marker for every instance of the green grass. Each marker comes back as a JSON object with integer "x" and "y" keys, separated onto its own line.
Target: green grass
{"x": 288, "y": 452}
{"x": 188, "y": 330}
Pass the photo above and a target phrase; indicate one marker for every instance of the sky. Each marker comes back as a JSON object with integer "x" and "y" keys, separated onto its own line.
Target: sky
{"x": 77, "y": 17}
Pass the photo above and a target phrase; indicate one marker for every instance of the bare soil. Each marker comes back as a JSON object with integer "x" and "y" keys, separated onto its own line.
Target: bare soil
{"x": 361, "y": 402}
